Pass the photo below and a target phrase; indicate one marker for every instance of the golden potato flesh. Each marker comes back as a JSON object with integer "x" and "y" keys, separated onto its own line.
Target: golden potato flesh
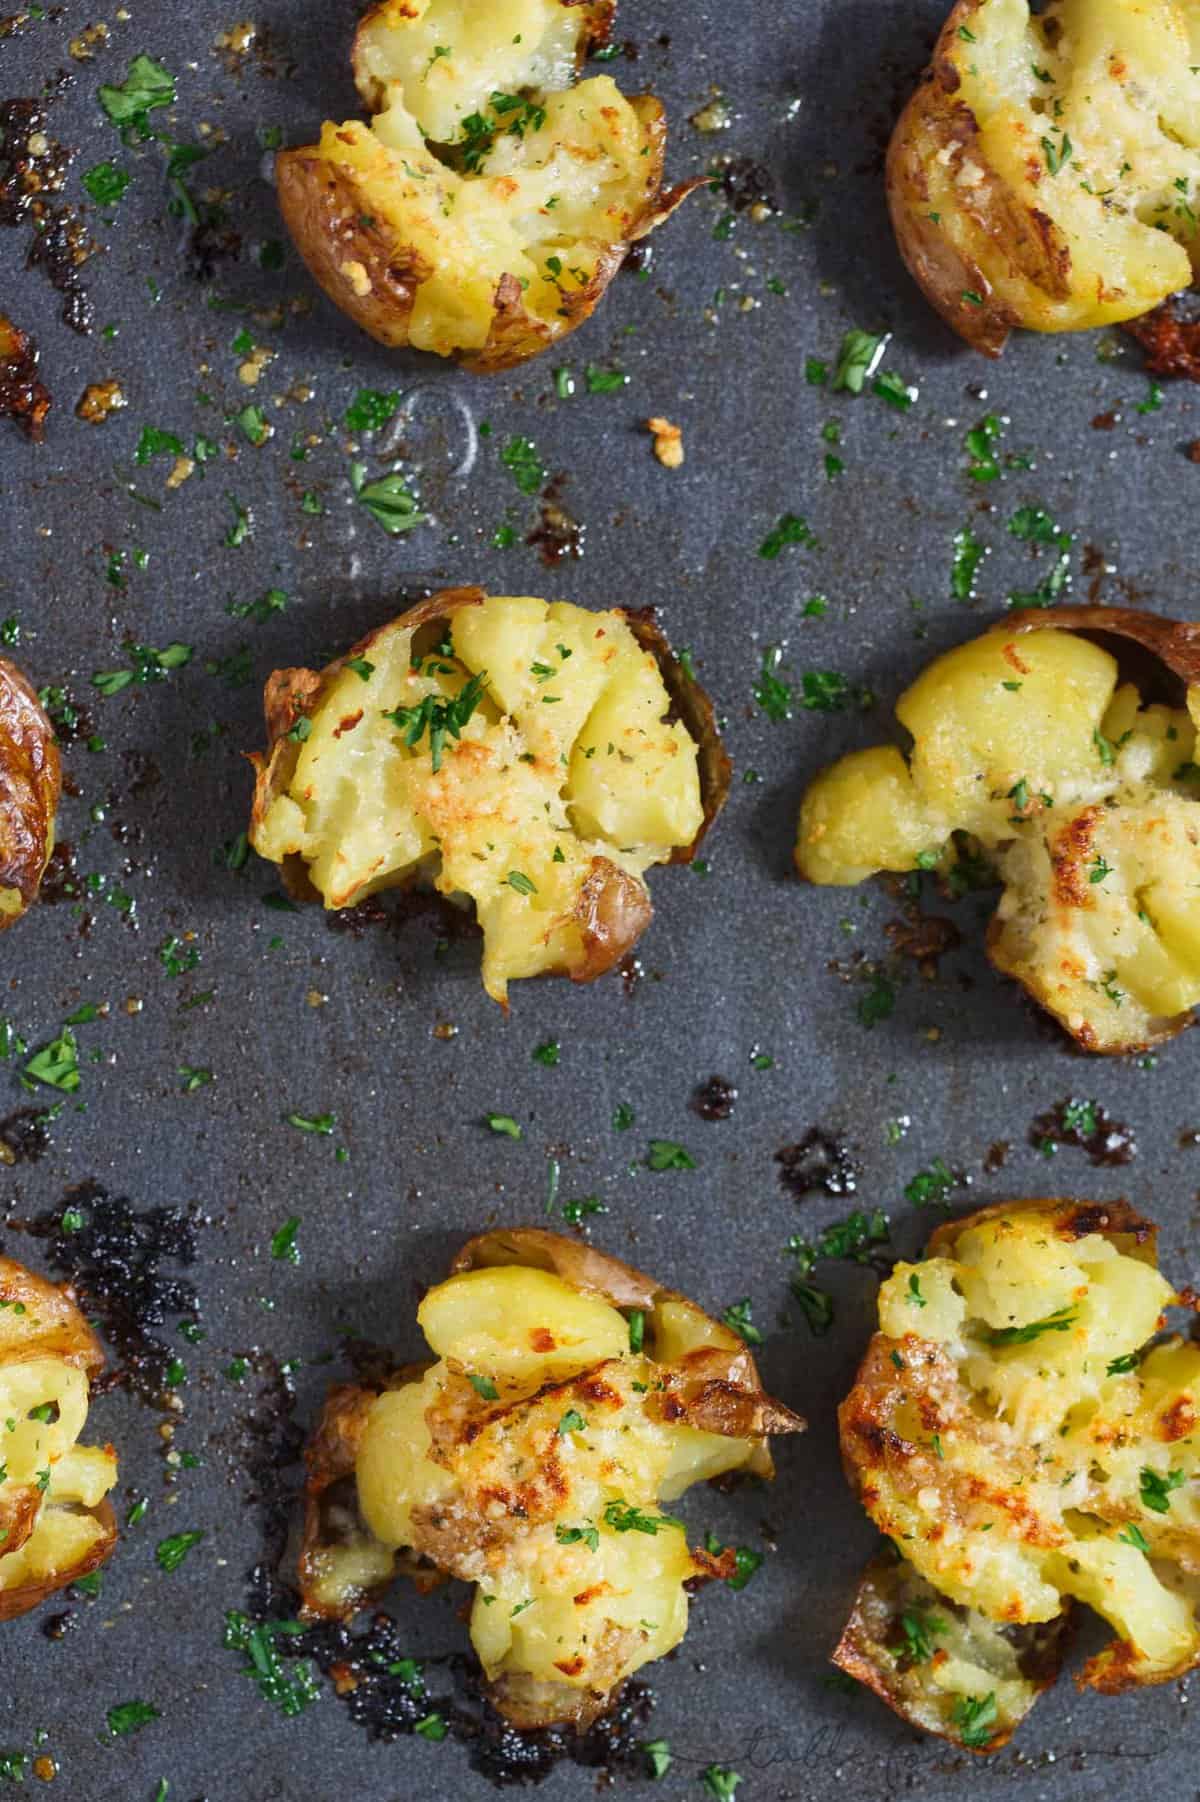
{"x": 534, "y": 1459}
{"x": 30, "y": 786}
{"x": 1024, "y": 1440}
{"x": 1047, "y": 172}
{"x": 486, "y": 206}
{"x": 513, "y": 752}
{"x": 55, "y": 1524}
{"x": 1085, "y": 801}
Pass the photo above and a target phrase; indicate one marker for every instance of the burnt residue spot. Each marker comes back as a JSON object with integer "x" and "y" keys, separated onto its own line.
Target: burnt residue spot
{"x": 402, "y": 907}
{"x": 631, "y": 970}
{"x": 33, "y": 173}
{"x": 746, "y": 184}
{"x": 372, "y": 1671}
{"x": 358, "y": 919}
{"x": 24, "y": 1136}
{"x": 817, "y": 1163}
{"x": 22, "y": 396}
{"x": 558, "y": 534}
{"x": 996, "y": 1156}
{"x": 59, "y": 879}
{"x": 1170, "y": 340}
{"x": 715, "y": 1099}
{"x": 72, "y": 719}
{"x": 1087, "y": 1125}
{"x": 924, "y": 938}
{"x": 57, "y": 1626}
{"x": 213, "y": 242}
{"x": 113, "y": 1256}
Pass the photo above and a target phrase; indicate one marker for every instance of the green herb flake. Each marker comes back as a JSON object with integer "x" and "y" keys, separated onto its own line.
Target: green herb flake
{"x": 170, "y": 1553}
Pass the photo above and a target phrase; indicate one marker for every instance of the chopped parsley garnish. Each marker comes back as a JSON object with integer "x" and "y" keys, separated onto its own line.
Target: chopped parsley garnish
{"x": 440, "y": 718}
{"x": 146, "y": 87}
{"x": 283, "y": 1241}
{"x": 520, "y": 457}
{"x": 177, "y": 957}
{"x": 623, "y": 1117}
{"x": 571, "y": 1422}
{"x": 105, "y": 183}
{"x": 1156, "y": 1489}
{"x": 1120, "y": 1367}
{"x": 919, "y": 1631}
{"x": 637, "y": 1330}
{"x": 370, "y": 410}
{"x": 968, "y": 555}
{"x": 432, "y": 1727}
{"x": 858, "y": 359}
{"x": 720, "y": 1782}
{"x": 288, "y": 1691}
{"x": 878, "y": 1003}
{"x": 975, "y": 1718}
{"x": 517, "y": 879}
{"x": 788, "y": 529}
{"x": 505, "y": 1124}
{"x": 147, "y": 665}
{"x": 588, "y": 1536}
{"x": 658, "y": 1756}
{"x": 930, "y": 1186}
{"x": 625, "y": 1517}
{"x": 57, "y": 1064}
{"x": 484, "y": 1388}
{"x": 737, "y": 1317}
{"x": 1131, "y": 1534}
{"x": 322, "y": 1124}
{"x": 547, "y": 1053}
{"x": 665, "y": 1154}
{"x": 1061, "y": 1321}
{"x": 389, "y": 501}
{"x": 128, "y": 1717}
{"x": 773, "y": 694}
{"x": 170, "y": 1553}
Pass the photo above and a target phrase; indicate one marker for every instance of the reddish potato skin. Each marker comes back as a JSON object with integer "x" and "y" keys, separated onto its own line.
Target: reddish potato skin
{"x": 30, "y": 787}
{"x": 933, "y": 123}
{"x": 613, "y": 910}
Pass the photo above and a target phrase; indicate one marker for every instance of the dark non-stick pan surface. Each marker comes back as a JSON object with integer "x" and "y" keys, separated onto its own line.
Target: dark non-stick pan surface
{"x": 744, "y": 975}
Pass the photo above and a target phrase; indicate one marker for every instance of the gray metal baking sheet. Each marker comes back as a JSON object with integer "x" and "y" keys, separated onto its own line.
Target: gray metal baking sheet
{"x": 739, "y": 961}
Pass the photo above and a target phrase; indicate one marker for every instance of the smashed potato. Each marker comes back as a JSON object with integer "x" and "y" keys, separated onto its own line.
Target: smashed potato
{"x": 486, "y": 207}
{"x": 30, "y": 786}
{"x": 1046, "y": 174}
{"x": 533, "y": 758}
{"x": 1024, "y": 1440}
{"x": 1084, "y": 799}
{"x": 571, "y": 1399}
{"x": 55, "y": 1523}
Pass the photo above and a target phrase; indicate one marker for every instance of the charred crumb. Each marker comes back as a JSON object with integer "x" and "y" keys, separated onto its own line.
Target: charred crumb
{"x": 715, "y": 1099}
{"x": 22, "y": 397}
{"x": 924, "y": 938}
{"x": 746, "y": 185}
{"x": 24, "y": 1136}
{"x": 1087, "y": 1125}
{"x": 996, "y": 1156}
{"x": 1170, "y": 340}
{"x": 817, "y": 1162}
{"x": 402, "y": 907}
{"x": 59, "y": 877}
{"x": 57, "y": 1626}
{"x": 113, "y": 1258}
{"x": 631, "y": 971}
{"x": 558, "y": 534}
{"x": 30, "y": 180}
{"x": 211, "y": 244}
